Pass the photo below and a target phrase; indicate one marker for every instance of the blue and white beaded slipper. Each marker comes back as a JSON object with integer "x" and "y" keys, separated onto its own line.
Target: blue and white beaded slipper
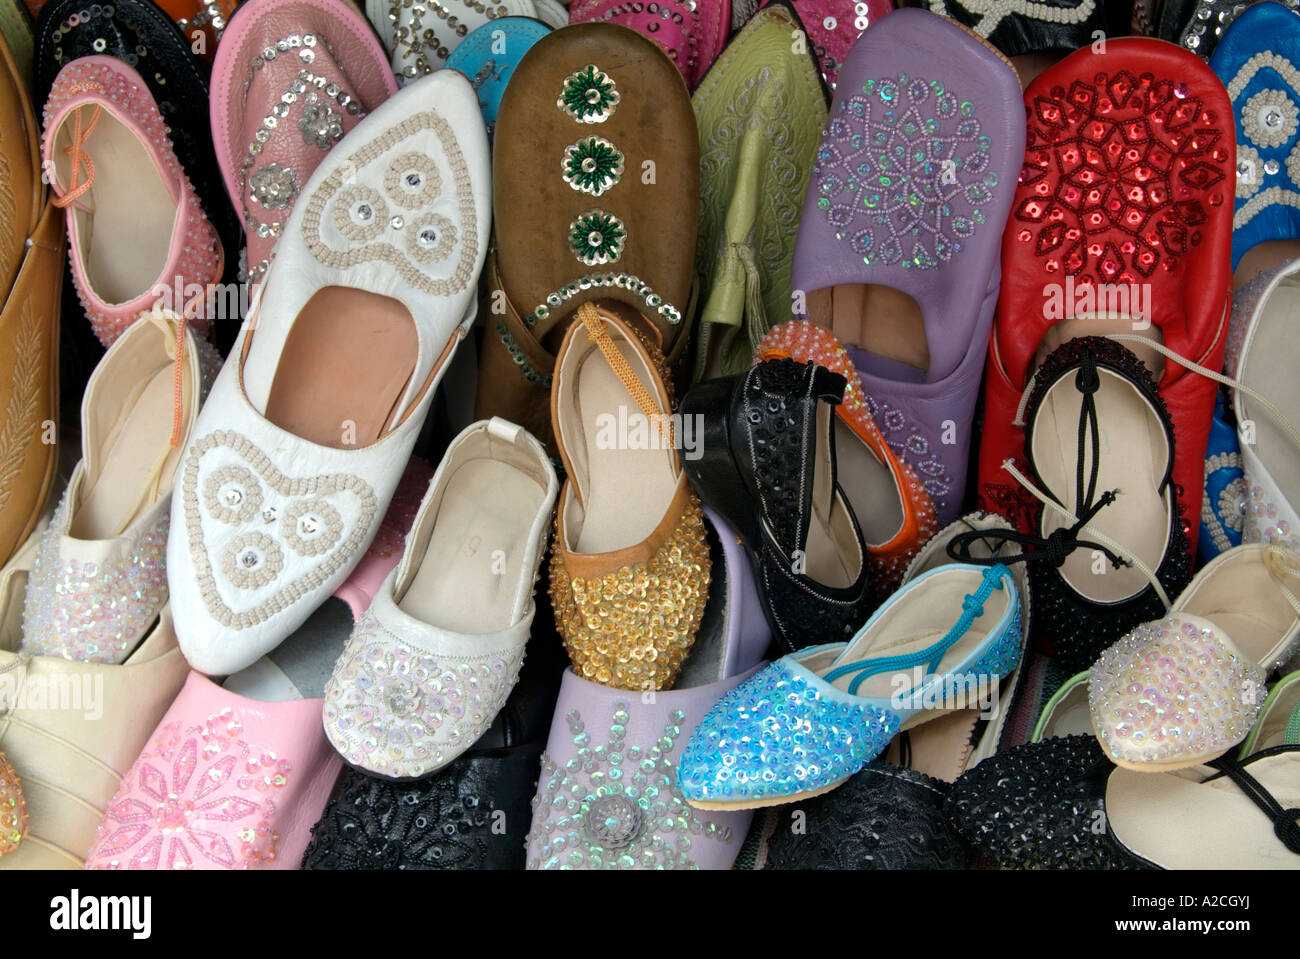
{"x": 1258, "y": 60}
{"x": 812, "y": 719}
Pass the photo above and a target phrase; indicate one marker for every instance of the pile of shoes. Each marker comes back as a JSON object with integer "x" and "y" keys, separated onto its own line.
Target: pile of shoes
{"x": 695, "y": 434}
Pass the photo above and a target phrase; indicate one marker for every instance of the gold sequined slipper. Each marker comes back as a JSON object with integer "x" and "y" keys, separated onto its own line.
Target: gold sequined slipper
{"x": 630, "y": 566}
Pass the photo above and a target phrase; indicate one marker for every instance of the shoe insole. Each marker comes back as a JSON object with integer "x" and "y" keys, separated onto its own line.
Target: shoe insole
{"x": 879, "y": 320}
{"x": 345, "y": 365}
{"x": 136, "y": 466}
{"x": 1132, "y": 459}
{"x": 470, "y": 574}
{"x": 869, "y": 486}
{"x": 628, "y": 489}
{"x": 1264, "y": 256}
{"x": 125, "y": 240}
{"x": 1269, "y": 367}
{"x": 831, "y": 553}
{"x": 941, "y": 748}
{"x": 1179, "y": 823}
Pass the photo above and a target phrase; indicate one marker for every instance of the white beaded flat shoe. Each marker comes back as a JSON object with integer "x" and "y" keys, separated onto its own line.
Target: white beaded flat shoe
{"x": 433, "y": 659}
{"x": 311, "y": 422}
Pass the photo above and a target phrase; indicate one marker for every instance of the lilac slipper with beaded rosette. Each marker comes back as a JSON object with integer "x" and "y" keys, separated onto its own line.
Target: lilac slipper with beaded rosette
{"x": 691, "y": 32}
{"x": 225, "y": 782}
{"x": 899, "y": 244}
{"x": 136, "y": 229}
{"x": 1185, "y": 689}
{"x": 833, "y": 26}
{"x": 291, "y": 77}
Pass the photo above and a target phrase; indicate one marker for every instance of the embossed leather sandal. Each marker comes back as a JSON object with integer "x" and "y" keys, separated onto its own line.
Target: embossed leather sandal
{"x": 100, "y": 574}
{"x": 843, "y": 702}
{"x": 898, "y": 244}
{"x": 1109, "y": 539}
{"x": 596, "y": 199}
{"x": 890, "y": 504}
{"x": 757, "y": 144}
{"x": 762, "y": 431}
{"x": 291, "y": 77}
{"x": 630, "y": 564}
{"x": 31, "y": 275}
{"x": 136, "y": 228}
{"x": 297, "y": 453}
{"x": 1239, "y": 813}
{"x": 1185, "y": 689}
{"x": 433, "y": 659}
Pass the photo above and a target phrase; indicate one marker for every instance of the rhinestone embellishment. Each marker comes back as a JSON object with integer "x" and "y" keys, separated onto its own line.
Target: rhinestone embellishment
{"x": 597, "y": 237}
{"x": 273, "y": 186}
{"x": 592, "y": 165}
{"x": 320, "y": 125}
{"x": 904, "y": 174}
{"x": 589, "y": 96}
{"x": 613, "y": 821}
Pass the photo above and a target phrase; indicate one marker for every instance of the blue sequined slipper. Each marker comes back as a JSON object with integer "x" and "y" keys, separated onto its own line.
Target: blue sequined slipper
{"x": 812, "y": 719}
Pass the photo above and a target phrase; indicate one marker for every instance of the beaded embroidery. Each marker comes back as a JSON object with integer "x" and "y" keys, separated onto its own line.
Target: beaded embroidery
{"x": 418, "y": 46}
{"x": 589, "y": 96}
{"x": 202, "y": 793}
{"x": 616, "y": 805}
{"x": 409, "y": 242}
{"x": 903, "y": 174}
{"x": 310, "y": 514}
{"x": 592, "y": 165}
{"x": 273, "y": 186}
{"x": 401, "y": 711}
{"x": 597, "y": 237}
{"x": 1141, "y": 159}
{"x": 1172, "y": 690}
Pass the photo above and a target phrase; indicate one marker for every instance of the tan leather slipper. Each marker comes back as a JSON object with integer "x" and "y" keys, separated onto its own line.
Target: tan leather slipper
{"x": 31, "y": 271}
{"x": 596, "y": 197}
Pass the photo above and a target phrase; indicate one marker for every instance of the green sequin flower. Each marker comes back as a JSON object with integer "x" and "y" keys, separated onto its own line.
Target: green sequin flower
{"x": 589, "y": 96}
{"x": 597, "y": 237}
{"x": 592, "y": 165}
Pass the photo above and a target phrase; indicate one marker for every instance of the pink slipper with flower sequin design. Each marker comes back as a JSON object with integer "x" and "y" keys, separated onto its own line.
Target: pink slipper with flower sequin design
{"x": 895, "y": 511}
{"x": 137, "y": 232}
{"x": 224, "y": 783}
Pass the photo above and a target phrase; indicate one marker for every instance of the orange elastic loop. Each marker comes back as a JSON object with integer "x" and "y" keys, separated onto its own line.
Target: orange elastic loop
{"x": 79, "y": 157}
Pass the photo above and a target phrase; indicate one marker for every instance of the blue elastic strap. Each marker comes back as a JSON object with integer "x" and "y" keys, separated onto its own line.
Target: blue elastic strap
{"x": 972, "y": 609}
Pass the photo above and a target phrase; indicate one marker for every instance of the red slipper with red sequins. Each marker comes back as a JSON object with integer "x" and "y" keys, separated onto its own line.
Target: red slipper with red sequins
{"x": 1122, "y": 223}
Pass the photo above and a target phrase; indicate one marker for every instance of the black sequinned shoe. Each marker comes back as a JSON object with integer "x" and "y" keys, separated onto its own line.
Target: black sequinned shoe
{"x": 767, "y": 465}
{"x": 1110, "y": 536}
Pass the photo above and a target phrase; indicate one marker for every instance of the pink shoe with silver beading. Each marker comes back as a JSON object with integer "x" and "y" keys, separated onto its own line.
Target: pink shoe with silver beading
{"x": 137, "y": 232}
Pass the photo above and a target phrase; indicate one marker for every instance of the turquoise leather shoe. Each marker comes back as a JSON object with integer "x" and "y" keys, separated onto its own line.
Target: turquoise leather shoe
{"x": 489, "y": 55}
{"x": 812, "y": 719}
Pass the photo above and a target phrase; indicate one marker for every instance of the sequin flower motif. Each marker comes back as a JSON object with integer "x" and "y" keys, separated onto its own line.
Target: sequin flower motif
{"x": 400, "y": 711}
{"x": 273, "y": 186}
{"x": 321, "y": 125}
{"x": 589, "y": 96}
{"x": 1118, "y": 175}
{"x": 779, "y": 735}
{"x": 903, "y": 173}
{"x": 597, "y": 237}
{"x": 615, "y": 805}
{"x": 592, "y": 165}
{"x": 197, "y": 796}
{"x": 1172, "y": 692}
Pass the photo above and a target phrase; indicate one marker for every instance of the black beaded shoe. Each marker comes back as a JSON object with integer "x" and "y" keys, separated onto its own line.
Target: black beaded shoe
{"x": 1100, "y": 446}
{"x": 141, "y": 35}
{"x": 884, "y": 817}
{"x": 1040, "y": 805}
{"x": 1055, "y": 26}
{"x": 767, "y": 466}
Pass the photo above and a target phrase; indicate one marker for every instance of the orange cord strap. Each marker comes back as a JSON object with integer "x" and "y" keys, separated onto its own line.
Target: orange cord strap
{"x": 80, "y": 158}
{"x": 598, "y": 333}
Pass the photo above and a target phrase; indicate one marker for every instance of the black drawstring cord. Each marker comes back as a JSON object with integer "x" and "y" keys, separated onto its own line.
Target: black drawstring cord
{"x": 1286, "y": 822}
